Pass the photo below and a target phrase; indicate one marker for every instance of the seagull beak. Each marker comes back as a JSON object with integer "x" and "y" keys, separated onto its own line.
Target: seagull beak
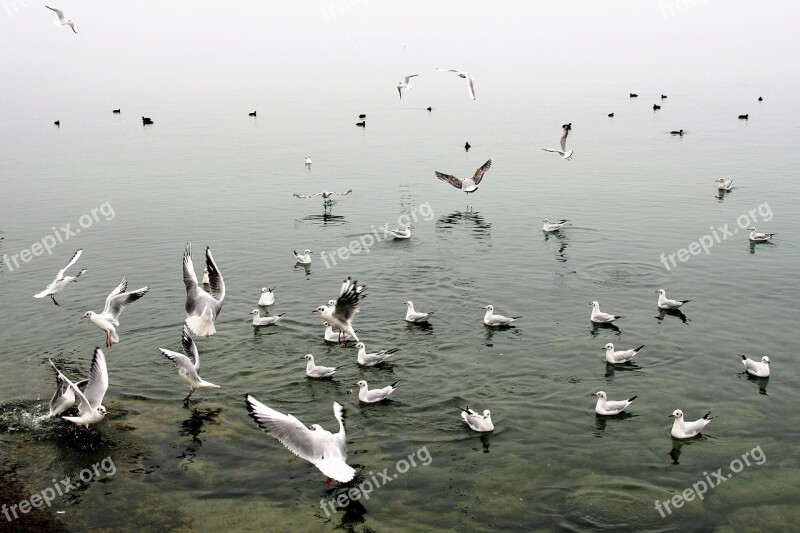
{"x": 670, "y": 416}
{"x": 594, "y": 394}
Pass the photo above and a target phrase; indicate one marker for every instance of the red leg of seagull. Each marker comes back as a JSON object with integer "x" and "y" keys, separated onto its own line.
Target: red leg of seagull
{"x": 191, "y": 391}
{"x": 328, "y": 480}
{"x": 108, "y": 340}
{"x": 53, "y": 296}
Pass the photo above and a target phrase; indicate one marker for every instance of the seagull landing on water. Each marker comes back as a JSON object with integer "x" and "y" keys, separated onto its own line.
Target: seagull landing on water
{"x": 375, "y": 395}
{"x": 415, "y": 317}
{"x": 340, "y": 315}
{"x": 467, "y": 185}
{"x": 549, "y": 227}
{"x": 621, "y": 356}
{"x": 186, "y": 367}
{"x": 608, "y": 407}
{"x": 202, "y": 308}
{"x": 308, "y": 161}
{"x": 258, "y": 320}
{"x": 405, "y": 84}
{"x": 267, "y": 297}
{"x": 323, "y": 449}
{"x": 466, "y": 76}
{"x": 316, "y": 371}
{"x": 61, "y": 281}
{"x": 688, "y": 430}
{"x": 398, "y": 233}
{"x": 564, "y": 153}
{"x": 372, "y": 359}
{"x": 64, "y": 397}
{"x": 756, "y": 368}
{"x": 91, "y": 409}
{"x": 759, "y": 237}
{"x": 115, "y": 303}
{"x": 304, "y": 258}
{"x": 599, "y": 317}
{"x": 477, "y": 422}
{"x": 493, "y": 320}
{"x": 666, "y": 303}
{"x": 326, "y": 195}
{"x": 724, "y": 185}
{"x": 62, "y": 19}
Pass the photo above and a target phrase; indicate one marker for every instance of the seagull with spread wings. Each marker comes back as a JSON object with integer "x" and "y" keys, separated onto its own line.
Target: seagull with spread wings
{"x": 91, "y": 409}
{"x": 202, "y": 308}
{"x": 62, "y": 19}
{"x": 564, "y": 153}
{"x": 340, "y": 315}
{"x": 405, "y": 84}
{"x": 326, "y": 195}
{"x": 467, "y": 185}
{"x": 465, "y": 75}
{"x": 61, "y": 280}
{"x": 187, "y": 369}
{"x": 115, "y": 303}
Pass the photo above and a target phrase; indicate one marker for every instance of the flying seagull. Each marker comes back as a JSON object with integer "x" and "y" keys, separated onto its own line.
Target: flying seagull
{"x": 340, "y": 315}
{"x": 465, "y": 75}
{"x": 405, "y": 84}
{"x": 187, "y": 369}
{"x": 202, "y": 308}
{"x": 467, "y": 185}
{"x": 62, "y": 19}
{"x": 564, "y": 153}
{"x": 61, "y": 281}
{"x": 91, "y": 409}
{"x": 64, "y": 397}
{"x": 115, "y": 303}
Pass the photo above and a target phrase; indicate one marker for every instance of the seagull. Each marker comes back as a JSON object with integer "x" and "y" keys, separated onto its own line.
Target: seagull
{"x": 755, "y": 368}
{"x": 115, "y": 303}
{"x": 258, "y": 320}
{"x": 61, "y": 281}
{"x": 599, "y": 317}
{"x": 607, "y": 407}
{"x": 331, "y": 336}
{"x": 476, "y": 422}
{"x": 666, "y": 303}
{"x": 375, "y": 395}
{"x": 64, "y": 397}
{"x": 187, "y": 369}
{"x": 399, "y": 233}
{"x": 564, "y": 153}
{"x": 405, "y": 84}
{"x": 678, "y": 132}
{"x": 688, "y": 430}
{"x": 622, "y": 356}
{"x": 326, "y": 195}
{"x": 304, "y": 259}
{"x": 467, "y": 185}
{"x": 206, "y": 280}
{"x": 465, "y": 75}
{"x": 724, "y": 185}
{"x": 759, "y": 237}
{"x": 202, "y": 308}
{"x": 267, "y": 296}
{"x": 556, "y": 225}
{"x": 308, "y": 161}
{"x": 323, "y": 449}
{"x": 415, "y": 317}
{"x": 340, "y": 315}
{"x": 372, "y": 359}
{"x": 491, "y": 319}
{"x": 315, "y": 371}
{"x": 62, "y": 19}
{"x": 91, "y": 409}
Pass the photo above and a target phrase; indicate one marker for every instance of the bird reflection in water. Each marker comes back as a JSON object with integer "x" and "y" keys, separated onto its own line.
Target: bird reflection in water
{"x": 192, "y": 427}
{"x": 561, "y": 257}
{"x": 600, "y": 421}
{"x": 761, "y": 383}
{"x": 602, "y": 329}
{"x": 326, "y": 217}
{"x": 481, "y": 228}
{"x": 662, "y": 313}
{"x": 611, "y": 369}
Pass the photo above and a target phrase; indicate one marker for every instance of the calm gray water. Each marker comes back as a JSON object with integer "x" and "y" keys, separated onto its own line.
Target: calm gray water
{"x": 217, "y": 177}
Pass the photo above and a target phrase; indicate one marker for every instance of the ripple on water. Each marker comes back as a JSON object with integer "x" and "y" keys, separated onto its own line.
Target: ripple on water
{"x": 624, "y": 274}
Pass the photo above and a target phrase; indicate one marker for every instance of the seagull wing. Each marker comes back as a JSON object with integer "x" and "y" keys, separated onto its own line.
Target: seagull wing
{"x": 116, "y": 303}
{"x": 98, "y": 380}
{"x": 553, "y": 150}
{"x": 60, "y": 14}
{"x": 189, "y": 277}
{"x": 563, "y": 144}
{"x": 478, "y": 176}
{"x": 342, "y": 193}
{"x": 470, "y": 86}
{"x": 214, "y": 277}
{"x": 181, "y": 362}
{"x": 307, "y": 195}
{"x": 348, "y": 300}
{"x": 452, "y": 180}
{"x": 408, "y": 78}
{"x": 190, "y": 348}
{"x": 292, "y": 433}
{"x": 72, "y": 261}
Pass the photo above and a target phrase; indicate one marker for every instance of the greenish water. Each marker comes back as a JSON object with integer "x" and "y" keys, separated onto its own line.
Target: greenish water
{"x": 631, "y": 192}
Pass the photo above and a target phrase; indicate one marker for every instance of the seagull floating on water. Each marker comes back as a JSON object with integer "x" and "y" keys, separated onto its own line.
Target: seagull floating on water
{"x": 464, "y": 75}
{"x": 323, "y": 449}
{"x": 372, "y": 359}
{"x": 556, "y": 225}
{"x": 756, "y": 368}
{"x": 61, "y": 281}
{"x": 375, "y": 395}
{"x": 188, "y": 369}
{"x": 398, "y": 233}
{"x": 267, "y": 297}
{"x": 202, "y": 308}
{"x": 666, "y": 303}
{"x": 316, "y": 371}
{"x": 599, "y": 317}
{"x": 405, "y": 84}
{"x": 334, "y": 336}
{"x": 258, "y": 320}
{"x": 724, "y": 185}
{"x": 688, "y": 430}
{"x": 477, "y": 422}
{"x": 622, "y": 356}
{"x": 340, "y": 316}
{"x": 91, "y": 409}
{"x": 305, "y": 258}
{"x": 115, "y": 303}
{"x": 415, "y": 317}
{"x": 62, "y": 19}
{"x": 563, "y": 152}
{"x": 608, "y": 407}
{"x": 759, "y": 237}
{"x": 467, "y": 185}
{"x": 493, "y": 320}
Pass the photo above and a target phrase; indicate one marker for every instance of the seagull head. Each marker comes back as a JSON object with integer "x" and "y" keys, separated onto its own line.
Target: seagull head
{"x": 360, "y": 345}
{"x": 677, "y": 413}
{"x": 662, "y": 292}
{"x": 594, "y": 304}
{"x": 205, "y": 271}
{"x": 315, "y": 427}
{"x": 487, "y": 414}
{"x": 409, "y": 303}
{"x": 264, "y": 289}
{"x": 319, "y": 309}
{"x": 609, "y": 346}
{"x": 308, "y": 357}
{"x": 88, "y": 314}
{"x": 361, "y": 384}
{"x": 599, "y": 394}
{"x": 102, "y": 410}
{"x": 489, "y": 307}
{"x": 254, "y": 312}
{"x": 765, "y": 359}
{"x": 546, "y": 221}
{"x": 307, "y": 251}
